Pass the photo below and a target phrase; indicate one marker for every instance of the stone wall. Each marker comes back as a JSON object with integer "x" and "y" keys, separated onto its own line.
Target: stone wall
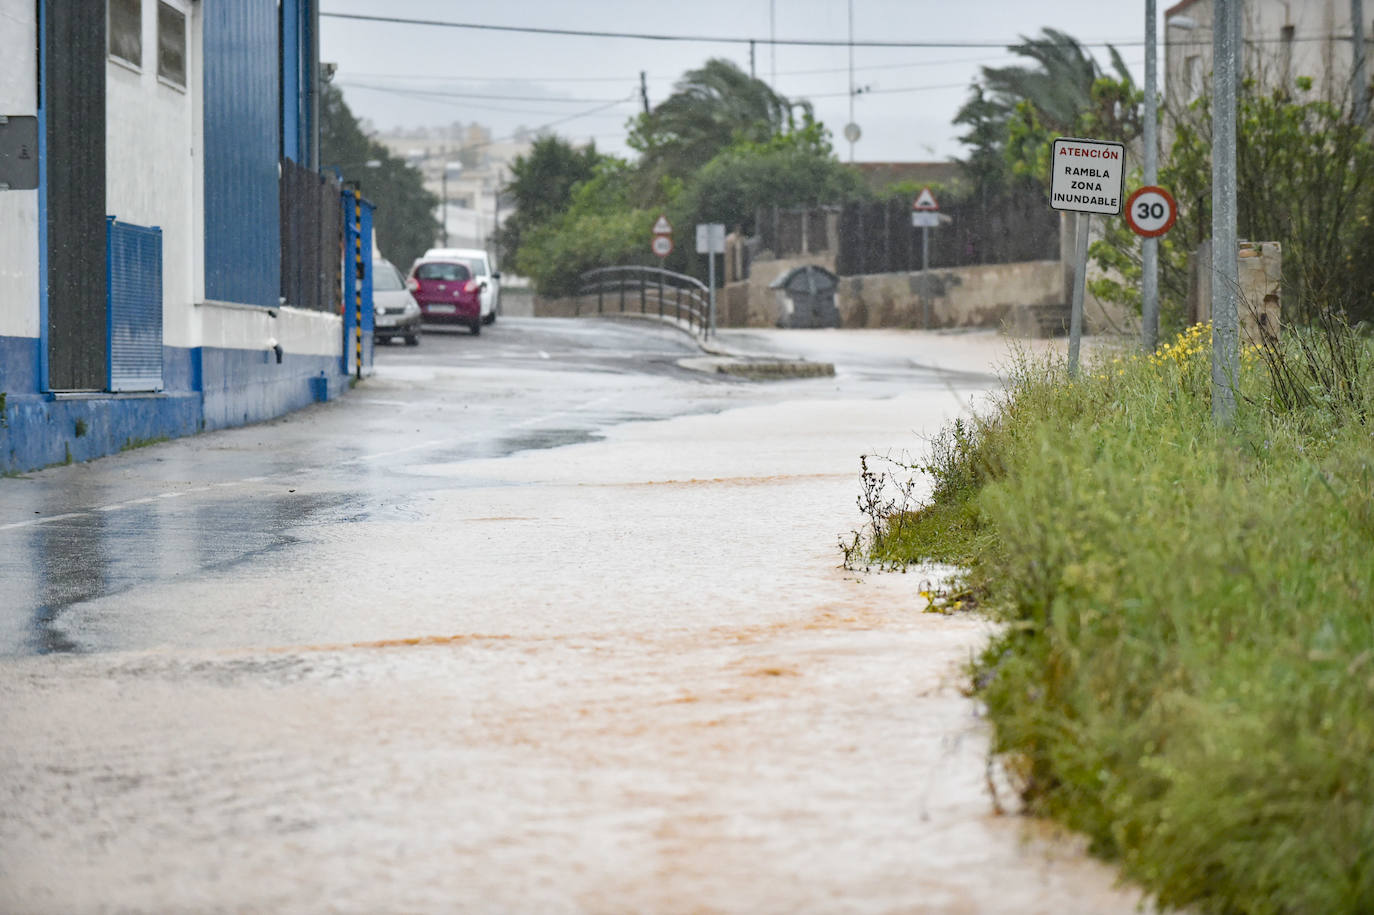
{"x": 1026, "y": 299}
{"x": 1259, "y": 273}
{"x": 978, "y": 296}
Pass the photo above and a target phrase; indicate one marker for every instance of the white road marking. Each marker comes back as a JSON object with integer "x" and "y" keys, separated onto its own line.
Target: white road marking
{"x": 535, "y": 420}
{"x": 48, "y": 520}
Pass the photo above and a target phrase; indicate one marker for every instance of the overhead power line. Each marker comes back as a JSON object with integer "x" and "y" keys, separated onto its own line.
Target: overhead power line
{"x": 715, "y": 39}
{"x": 441, "y": 93}
{"x": 629, "y": 78}
{"x": 798, "y": 42}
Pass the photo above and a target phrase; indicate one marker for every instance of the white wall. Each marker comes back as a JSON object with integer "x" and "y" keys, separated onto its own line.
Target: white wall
{"x": 1320, "y": 49}
{"x": 18, "y": 209}
{"x": 299, "y": 331}
{"x": 153, "y": 163}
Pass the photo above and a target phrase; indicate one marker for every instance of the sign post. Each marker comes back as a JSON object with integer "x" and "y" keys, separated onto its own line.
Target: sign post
{"x": 711, "y": 241}
{"x": 1149, "y": 246}
{"x": 1086, "y": 177}
{"x": 925, "y": 215}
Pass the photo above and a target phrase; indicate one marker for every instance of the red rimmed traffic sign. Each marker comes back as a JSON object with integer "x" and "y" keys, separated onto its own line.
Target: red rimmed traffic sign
{"x": 1151, "y": 211}
{"x": 662, "y": 245}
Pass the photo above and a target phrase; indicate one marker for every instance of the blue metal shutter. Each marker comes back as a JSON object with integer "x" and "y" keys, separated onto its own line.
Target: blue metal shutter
{"x": 242, "y": 110}
{"x": 133, "y": 270}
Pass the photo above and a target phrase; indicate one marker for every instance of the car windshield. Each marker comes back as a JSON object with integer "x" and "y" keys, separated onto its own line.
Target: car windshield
{"x": 479, "y": 268}
{"x": 385, "y": 278}
{"x": 443, "y": 271}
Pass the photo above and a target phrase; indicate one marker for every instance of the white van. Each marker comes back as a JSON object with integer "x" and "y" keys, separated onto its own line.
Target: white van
{"x": 483, "y": 270}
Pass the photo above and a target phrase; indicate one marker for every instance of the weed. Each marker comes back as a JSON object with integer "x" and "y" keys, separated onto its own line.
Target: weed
{"x": 80, "y": 428}
{"x": 133, "y": 443}
{"x": 1186, "y": 663}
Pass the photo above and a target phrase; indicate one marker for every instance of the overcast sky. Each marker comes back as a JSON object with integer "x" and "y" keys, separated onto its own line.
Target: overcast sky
{"x": 587, "y": 88}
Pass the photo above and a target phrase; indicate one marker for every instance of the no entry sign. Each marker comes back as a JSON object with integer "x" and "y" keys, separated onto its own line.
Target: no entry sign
{"x": 1151, "y": 211}
{"x": 1087, "y": 176}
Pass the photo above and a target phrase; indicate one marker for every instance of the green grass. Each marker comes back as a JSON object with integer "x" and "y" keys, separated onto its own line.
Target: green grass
{"x": 1186, "y": 673}
{"x": 135, "y": 443}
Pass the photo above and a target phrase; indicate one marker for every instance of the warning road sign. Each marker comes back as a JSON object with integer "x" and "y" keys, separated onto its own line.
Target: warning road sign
{"x": 1151, "y": 211}
{"x": 1087, "y": 176}
{"x": 925, "y": 201}
{"x": 662, "y": 226}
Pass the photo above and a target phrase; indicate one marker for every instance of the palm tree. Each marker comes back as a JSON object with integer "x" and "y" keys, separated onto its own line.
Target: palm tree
{"x": 710, "y": 108}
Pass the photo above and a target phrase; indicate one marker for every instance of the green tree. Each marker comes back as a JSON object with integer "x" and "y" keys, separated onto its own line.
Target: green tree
{"x": 711, "y": 108}
{"x": 793, "y": 168}
{"x": 604, "y": 221}
{"x": 404, "y": 223}
{"x": 541, "y": 186}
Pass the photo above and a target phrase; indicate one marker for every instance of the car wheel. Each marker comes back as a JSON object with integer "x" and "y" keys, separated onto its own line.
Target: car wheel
{"x": 380, "y": 341}
{"x": 490, "y": 319}
{"x": 476, "y": 327}
{"x": 412, "y": 339}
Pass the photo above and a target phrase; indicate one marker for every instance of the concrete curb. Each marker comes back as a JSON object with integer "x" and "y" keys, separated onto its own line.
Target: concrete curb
{"x": 770, "y": 369}
{"x": 722, "y": 360}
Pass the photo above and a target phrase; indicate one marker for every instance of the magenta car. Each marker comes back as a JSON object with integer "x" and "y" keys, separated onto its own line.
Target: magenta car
{"x": 448, "y": 293}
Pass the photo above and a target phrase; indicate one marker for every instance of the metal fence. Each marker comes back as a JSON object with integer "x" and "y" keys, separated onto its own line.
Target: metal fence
{"x": 647, "y": 290}
{"x": 311, "y": 235}
{"x": 795, "y": 232}
{"x": 879, "y": 237}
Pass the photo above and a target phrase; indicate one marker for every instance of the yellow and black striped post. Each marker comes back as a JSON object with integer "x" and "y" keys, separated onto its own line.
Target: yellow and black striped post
{"x": 358, "y": 281}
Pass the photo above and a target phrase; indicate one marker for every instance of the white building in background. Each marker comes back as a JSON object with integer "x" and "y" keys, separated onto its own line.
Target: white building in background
{"x": 465, "y": 168}
{"x": 1283, "y": 39}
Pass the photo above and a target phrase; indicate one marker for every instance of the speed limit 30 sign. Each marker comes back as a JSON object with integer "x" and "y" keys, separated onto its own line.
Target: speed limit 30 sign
{"x": 1151, "y": 211}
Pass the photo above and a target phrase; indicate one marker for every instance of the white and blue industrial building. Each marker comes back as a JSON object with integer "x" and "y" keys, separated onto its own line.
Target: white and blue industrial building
{"x": 171, "y": 258}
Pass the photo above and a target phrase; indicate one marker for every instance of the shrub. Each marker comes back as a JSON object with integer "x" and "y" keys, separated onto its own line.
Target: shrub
{"x": 1187, "y": 663}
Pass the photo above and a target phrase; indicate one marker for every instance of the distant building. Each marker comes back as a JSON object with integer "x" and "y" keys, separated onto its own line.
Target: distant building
{"x": 1283, "y": 39}
{"x": 466, "y": 169}
{"x": 173, "y": 261}
{"x": 881, "y": 175}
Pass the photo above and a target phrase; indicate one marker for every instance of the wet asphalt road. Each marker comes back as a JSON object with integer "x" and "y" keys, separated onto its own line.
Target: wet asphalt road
{"x": 69, "y": 535}
{"x": 538, "y": 621}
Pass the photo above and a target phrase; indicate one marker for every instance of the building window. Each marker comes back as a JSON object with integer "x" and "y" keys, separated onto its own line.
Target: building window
{"x": 171, "y": 44}
{"x": 126, "y": 31}
{"x": 1196, "y": 82}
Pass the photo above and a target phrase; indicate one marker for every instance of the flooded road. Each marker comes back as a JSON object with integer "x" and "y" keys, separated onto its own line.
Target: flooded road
{"x": 548, "y": 626}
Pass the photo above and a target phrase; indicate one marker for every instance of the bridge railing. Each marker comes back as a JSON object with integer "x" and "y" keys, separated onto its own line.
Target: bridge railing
{"x": 647, "y": 290}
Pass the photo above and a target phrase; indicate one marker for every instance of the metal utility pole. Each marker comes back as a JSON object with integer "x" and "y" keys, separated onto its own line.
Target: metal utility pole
{"x": 443, "y": 184}
{"x": 772, "y": 45}
{"x": 851, "y": 79}
{"x": 644, "y": 90}
{"x": 496, "y": 221}
{"x": 1225, "y": 285}
{"x": 1149, "y": 310}
{"x": 1361, "y": 84}
{"x": 751, "y": 59}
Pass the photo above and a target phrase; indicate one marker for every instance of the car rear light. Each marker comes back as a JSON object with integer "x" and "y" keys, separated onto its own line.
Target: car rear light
{"x": 413, "y": 284}
{"x": 470, "y": 286}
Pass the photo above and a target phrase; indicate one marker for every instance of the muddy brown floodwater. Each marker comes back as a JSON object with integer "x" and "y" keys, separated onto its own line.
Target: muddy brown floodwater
{"x": 621, "y": 676}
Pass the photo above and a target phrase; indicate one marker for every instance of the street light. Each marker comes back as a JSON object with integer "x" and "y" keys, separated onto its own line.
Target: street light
{"x": 443, "y": 185}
